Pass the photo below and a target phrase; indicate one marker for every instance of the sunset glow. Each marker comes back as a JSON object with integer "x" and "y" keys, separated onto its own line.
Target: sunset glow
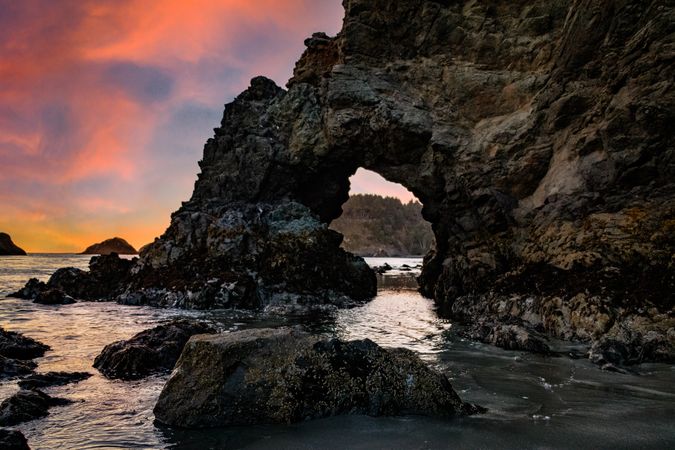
{"x": 105, "y": 106}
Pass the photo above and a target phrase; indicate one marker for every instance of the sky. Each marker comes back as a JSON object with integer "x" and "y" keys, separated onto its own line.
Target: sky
{"x": 105, "y": 106}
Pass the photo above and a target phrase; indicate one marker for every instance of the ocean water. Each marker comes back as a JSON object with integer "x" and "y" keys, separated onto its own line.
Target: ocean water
{"x": 533, "y": 402}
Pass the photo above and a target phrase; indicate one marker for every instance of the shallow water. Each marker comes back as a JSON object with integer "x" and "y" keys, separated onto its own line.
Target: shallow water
{"x": 533, "y": 402}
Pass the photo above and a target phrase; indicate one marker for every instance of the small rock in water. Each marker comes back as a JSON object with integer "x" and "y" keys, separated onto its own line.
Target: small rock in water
{"x": 10, "y": 368}
{"x": 27, "y": 405}
{"x": 17, "y": 346}
{"x": 53, "y": 297}
{"x": 284, "y": 376}
{"x": 13, "y": 440}
{"x": 150, "y": 351}
{"x": 42, "y": 380}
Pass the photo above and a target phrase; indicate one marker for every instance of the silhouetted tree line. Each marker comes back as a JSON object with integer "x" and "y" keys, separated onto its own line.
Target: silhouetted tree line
{"x": 383, "y": 226}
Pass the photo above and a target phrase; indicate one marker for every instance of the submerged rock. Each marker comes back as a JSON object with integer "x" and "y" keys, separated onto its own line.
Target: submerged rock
{"x": 9, "y": 248}
{"x": 17, "y": 346}
{"x": 49, "y": 379}
{"x": 13, "y": 440}
{"x": 11, "y": 368}
{"x": 115, "y": 245}
{"x": 27, "y": 405}
{"x": 285, "y": 376}
{"x": 149, "y": 352}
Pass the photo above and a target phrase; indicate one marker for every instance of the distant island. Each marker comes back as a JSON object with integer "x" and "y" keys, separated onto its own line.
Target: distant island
{"x": 9, "y": 248}
{"x": 383, "y": 226}
{"x": 114, "y": 245}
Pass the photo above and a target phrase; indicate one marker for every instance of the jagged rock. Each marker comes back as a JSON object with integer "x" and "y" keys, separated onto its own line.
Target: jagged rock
{"x": 11, "y": 368}
{"x": 13, "y": 440}
{"x": 629, "y": 347}
{"x": 284, "y": 376}
{"x": 48, "y": 379}
{"x": 149, "y": 352}
{"x": 17, "y": 346}
{"x": 27, "y": 405}
{"x": 9, "y": 248}
{"x": 109, "y": 246}
{"x": 53, "y": 297}
{"x": 508, "y": 336}
{"x": 31, "y": 290}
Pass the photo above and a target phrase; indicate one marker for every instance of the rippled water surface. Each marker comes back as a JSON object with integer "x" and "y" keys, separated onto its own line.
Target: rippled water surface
{"x": 533, "y": 402}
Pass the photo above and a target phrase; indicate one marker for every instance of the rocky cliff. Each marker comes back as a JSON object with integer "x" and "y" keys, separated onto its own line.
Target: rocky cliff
{"x": 537, "y": 134}
{"x": 114, "y": 245}
{"x": 7, "y": 247}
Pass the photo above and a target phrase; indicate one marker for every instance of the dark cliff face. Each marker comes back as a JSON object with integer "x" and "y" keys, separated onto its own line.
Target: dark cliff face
{"x": 537, "y": 134}
{"x": 8, "y": 247}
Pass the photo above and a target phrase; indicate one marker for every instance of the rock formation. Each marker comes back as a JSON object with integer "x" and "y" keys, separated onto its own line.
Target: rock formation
{"x": 149, "y": 352}
{"x": 27, "y": 405}
{"x": 537, "y": 134}
{"x": 9, "y": 248}
{"x": 284, "y": 376}
{"x": 114, "y": 245}
{"x": 13, "y": 440}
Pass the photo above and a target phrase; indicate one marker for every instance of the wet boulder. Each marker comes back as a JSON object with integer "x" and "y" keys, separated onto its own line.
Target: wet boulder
{"x": 48, "y": 379}
{"x": 17, "y": 346}
{"x": 13, "y": 440}
{"x": 53, "y": 297}
{"x": 284, "y": 376}
{"x": 27, "y": 405}
{"x": 149, "y": 352}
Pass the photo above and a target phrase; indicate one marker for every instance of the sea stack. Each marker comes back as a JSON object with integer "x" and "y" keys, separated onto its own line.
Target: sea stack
{"x": 7, "y": 247}
{"x": 114, "y": 245}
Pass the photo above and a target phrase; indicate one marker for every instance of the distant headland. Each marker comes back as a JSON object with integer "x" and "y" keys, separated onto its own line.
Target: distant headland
{"x": 114, "y": 245}
{"x": 9, "y": 248}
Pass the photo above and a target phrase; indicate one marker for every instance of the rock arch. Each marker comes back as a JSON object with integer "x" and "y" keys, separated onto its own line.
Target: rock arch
{"x": 537, "y": 135}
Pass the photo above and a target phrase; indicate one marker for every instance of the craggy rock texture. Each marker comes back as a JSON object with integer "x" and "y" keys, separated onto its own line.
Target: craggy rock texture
{"x": 114, "y": 245}
{"x": 149, "y": 352}
{"x": 13, "y": 440}
{"x": 537, "y": 134}
{"x": 27, "y": 405}
{"x": 285, "y": 376}
{"x": 9, "y": 248}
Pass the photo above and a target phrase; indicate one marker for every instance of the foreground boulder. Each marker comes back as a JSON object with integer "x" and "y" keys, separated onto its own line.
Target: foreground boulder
{"x": 13, "y": 440}
{"x": 285, "y": 376}
{"x": 17, "y": 346}
{"x": 149, "y": 352}
{"x": 49, "y": 379}
{"x": 9, "y": 248}
{"x": 114, "y": 245}
{"x": 27, "y": 405}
